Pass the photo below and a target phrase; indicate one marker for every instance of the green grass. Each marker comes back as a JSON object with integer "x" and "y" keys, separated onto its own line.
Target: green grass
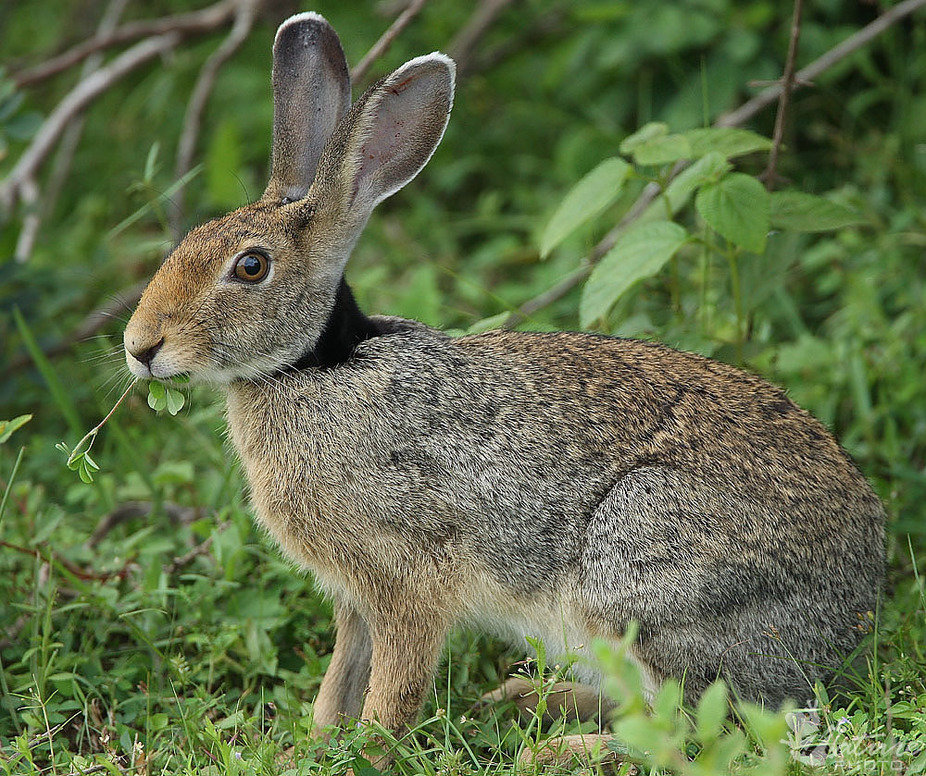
{"x": 181, "y": 643}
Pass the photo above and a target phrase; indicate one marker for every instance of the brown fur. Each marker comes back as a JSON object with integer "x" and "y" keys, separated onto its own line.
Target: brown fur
{"x": 554, "y": 485}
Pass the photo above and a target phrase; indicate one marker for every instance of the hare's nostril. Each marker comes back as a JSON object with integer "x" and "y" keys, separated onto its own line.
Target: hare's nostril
{"x": 146, "y": 355}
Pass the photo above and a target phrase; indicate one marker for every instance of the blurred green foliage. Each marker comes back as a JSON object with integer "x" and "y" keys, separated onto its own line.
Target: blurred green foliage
{"x": 230, "y": 645}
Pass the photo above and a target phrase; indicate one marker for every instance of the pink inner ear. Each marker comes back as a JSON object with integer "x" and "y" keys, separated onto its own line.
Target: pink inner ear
{"x": 403, "y": 128}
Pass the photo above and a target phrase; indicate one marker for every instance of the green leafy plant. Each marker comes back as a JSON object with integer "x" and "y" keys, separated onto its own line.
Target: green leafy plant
{"x": 160, "y": 397}
{"x": 732, "y": 204}
{"x": 8, "y": 427}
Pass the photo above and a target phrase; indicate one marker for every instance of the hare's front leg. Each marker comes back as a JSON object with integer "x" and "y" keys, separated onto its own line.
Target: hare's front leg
{"x": 406, "y": 647}
{"x": 341, "y": 693}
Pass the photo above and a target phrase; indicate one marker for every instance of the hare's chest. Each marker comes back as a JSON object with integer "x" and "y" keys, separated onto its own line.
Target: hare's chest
{"x": 307, "y": 473}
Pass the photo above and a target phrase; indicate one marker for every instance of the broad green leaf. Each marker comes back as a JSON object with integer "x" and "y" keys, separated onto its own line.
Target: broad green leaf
{"x": 730, "y": 142}
{"x": 653, "y": 145}
{"x": 737, "y": 207}
{"x": 175, "y": 401}
{"x": 711, "y": 712}
{"x": 591, "y": 195}
{"x": 662, "y": 150}
{"x": 796, "y": 211}
{"x": 679, "y": 191}
{"x": 7, "y": 427}
{"x": 645, "y": 134}
{"x": 157, "y": 396}
{"x": 639, "y": 253}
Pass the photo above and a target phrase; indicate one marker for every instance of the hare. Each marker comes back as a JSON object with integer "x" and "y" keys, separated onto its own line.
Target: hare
{"x": 559, "y": 485}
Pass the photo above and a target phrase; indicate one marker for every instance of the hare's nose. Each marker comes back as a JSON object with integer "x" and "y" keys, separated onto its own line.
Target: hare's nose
{"x": 146, "y": 355}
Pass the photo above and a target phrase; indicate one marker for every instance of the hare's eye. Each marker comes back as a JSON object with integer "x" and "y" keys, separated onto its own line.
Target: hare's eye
{"x": 252, "y": 267}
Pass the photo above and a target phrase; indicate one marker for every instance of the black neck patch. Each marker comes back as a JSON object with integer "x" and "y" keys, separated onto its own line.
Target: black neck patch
{"x": 345, "y": 328}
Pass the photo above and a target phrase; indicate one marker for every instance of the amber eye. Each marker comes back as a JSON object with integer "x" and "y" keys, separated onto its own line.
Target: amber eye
{"x": 252, "y": 267}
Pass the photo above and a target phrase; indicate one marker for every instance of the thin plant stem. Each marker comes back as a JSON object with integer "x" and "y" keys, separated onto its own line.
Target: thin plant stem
{"x": 91, "y": 434}
{"x": 737, "y": 302}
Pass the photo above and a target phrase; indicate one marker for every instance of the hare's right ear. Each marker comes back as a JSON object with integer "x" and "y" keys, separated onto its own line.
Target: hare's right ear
{"x": 311, "y": 93}
{"x": 385, "y": 140}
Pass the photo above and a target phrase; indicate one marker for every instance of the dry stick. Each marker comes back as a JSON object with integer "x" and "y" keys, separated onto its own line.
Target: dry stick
{"x": 770, "y": 176}
{"x": 835, "y": 55}
{"x": 539, "y": 29}
{"x": 183, "y": 24}
{"x": 196, "y": 106}
{"x": 200, "y": 549}
{"x": 92, "y": 323}
{"x": 461, "y": 48}
{"x": 132, "y": 510}
{"x": 32, "y": 221}
{"x": 386, "y": 39}
{"x": 732, "y": 119}
{"x": 72, "y": 104}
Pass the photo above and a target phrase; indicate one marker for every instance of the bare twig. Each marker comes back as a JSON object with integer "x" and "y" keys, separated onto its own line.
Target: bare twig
{"x": 91, "y": 324}
{"x": 461, "y": 47}
{"x": 132, "y": 510}
{"x": 205, "y": 83}
{"x": 822, "y": 63}
{"x": 62, "y": 163}
{"x": 72, "y": 104}
{"x": 200, "y": 549}
{"x": 183, "y": 24}
{"x": 386, "y": 39}
{"x": 770, "y": 176}
{"x": 735, "y": 118}
{"x": 534, "y": 34}
{"x": 32, "y": 220}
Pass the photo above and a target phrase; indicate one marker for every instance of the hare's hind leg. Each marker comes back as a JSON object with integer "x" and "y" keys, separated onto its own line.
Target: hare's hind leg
{"x": 565, "y": 700}
{"x": 406, "y": 648}
{"x": 587, "y": 749}
{"x": 341, "y": 693}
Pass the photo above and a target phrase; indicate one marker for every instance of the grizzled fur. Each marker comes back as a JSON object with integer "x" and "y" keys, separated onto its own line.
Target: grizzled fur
{"x": 554, "y": 485}
{"x": 594, "y": 480}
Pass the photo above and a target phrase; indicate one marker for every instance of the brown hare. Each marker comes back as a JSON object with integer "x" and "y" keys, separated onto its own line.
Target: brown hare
{"x": 557, "y": 485}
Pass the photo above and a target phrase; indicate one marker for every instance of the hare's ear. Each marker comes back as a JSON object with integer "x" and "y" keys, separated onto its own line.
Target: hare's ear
{"x": 387, "y": 138}
{"x": 311, "y": 93}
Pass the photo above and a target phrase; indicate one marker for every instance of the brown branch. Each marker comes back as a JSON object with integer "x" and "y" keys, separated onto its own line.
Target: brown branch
{"x": 535, "y": 34}
{"x": 90, "y": 325}
{"x": 132, "y": 510}
{"x": 732, "y": 119}
{"x": 200, "y": 549}
{"x": 192, "y": 121}
{"x": 32, "y": 220}
{"x": 461, "y": 48}
{"x": 770, "y": 176}
{"x": 62, "y": 163}
{"x": 386, "y": 40}
{"x": 71, "y": 105}
{"x": 183, "y": 24}
{"x": 822, "y": 63}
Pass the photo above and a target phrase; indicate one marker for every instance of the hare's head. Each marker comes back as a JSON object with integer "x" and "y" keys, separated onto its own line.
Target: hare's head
{"x": 250, "y": 293}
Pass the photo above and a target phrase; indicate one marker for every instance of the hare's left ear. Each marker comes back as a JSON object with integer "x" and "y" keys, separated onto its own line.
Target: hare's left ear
{"x": 311, "y": 93}
{"x": 385, "y": 140}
